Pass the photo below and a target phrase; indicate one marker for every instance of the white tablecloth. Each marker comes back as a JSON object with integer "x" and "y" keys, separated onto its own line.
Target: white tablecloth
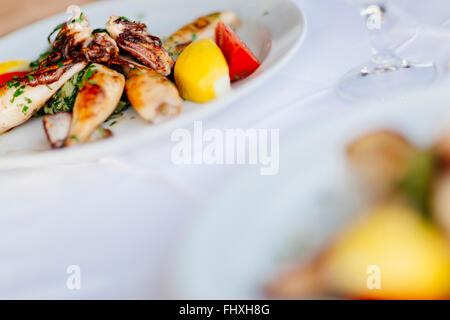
{"x": 122, "y": 219}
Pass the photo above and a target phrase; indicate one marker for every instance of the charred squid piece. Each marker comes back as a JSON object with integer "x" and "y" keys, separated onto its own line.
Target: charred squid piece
{"x": 101, "y": 49}
{"x": 70, "y": 40}
{"x": 21, "y": 98}
{"x": 57, "y": 128}
{"x": 202, "y": 28}
{"x": 134, "y": 38}
{"x": 101, "y": 91}
{"x": 152, "y": 95}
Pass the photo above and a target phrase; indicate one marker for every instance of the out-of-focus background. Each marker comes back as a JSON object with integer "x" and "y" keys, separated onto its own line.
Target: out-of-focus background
{"x": 14, "y": 14}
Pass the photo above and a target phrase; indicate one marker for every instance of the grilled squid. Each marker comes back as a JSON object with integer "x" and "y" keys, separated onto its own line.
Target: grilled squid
{"x": 152, "y": 95}
{"x": 71, "y": 39}
{"x": 21, "y": 98}
{"x": 134, "y": 38}
{"x": 101, "y": 48}
{"x": 96, "y": 101}
{"x": 202, "y": 28}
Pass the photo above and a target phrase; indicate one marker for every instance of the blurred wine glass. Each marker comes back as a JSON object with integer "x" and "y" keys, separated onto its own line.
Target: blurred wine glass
{"x": 385, "y": 73}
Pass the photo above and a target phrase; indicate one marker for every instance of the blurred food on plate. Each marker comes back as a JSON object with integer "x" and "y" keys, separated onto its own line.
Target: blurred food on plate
{"x": 400, "y": 247}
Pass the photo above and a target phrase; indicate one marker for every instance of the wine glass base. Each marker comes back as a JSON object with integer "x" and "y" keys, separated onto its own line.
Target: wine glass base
{"x": 373, "y": 81}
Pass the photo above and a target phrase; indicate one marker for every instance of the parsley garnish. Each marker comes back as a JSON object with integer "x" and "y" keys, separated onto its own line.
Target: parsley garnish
{"x": 194, "y": 36}
{"x": 25, "y": 109}
{"x": 17, "y": 93}
{"x": 14, "y": 84}
{"x": 60, "y": 64}
{"x": 99, "y": 31}
{"x": 54, "y": 30}
{"x": 89, "y": 72}
{"x": 28, "y": 100}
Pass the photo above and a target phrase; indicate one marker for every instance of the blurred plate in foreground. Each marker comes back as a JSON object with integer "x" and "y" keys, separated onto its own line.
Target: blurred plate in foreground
{"x": 260, "y": 225}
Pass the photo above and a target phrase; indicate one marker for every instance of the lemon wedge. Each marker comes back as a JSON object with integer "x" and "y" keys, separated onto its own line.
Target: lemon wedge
{"x": 11, "y": 66}
{"x": 392, "y": 254}
{"x": 201, "y": 72}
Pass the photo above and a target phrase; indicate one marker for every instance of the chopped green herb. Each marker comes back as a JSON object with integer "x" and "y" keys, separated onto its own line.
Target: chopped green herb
{"x": 30, "y": 77}
{"x": 28, "y": 100}
{"x": 194, "y": 36}
{"x": 236, "y": 77}
{"x": 64, "y": 98}
{"x": 16, "y": 94}
{"x": 58, "y": 27}
{"x": 93, "y": 82}
{"x": 90, "y": 71}
{"x": 113, "y": 123}
{"x": 25, "y": 109}
{"x": 50, "y": 88}
{"x": 266, "y": 13}
{"x": 60, "y": 64}
{"x": 99, "y": 30}
{"x": 125, "y": 19}
{"x": 75, "y": 138}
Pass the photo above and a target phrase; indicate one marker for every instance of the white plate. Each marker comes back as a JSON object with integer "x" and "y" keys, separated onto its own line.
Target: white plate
{"x": 261, "y": 224}
{"x": 274, "y": 37}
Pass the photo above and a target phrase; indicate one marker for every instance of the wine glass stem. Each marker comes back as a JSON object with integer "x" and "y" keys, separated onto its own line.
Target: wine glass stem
{"x": 375, "y": 16}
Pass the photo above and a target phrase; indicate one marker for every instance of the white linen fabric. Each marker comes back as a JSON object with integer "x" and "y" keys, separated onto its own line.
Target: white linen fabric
{"x": 122, "y": 219}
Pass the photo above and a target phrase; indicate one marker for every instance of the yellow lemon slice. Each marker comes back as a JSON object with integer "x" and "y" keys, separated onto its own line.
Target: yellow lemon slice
{"x": 201, "y": 72}
{"x": 393, "y": 254}
{"x": 11, "y": 66}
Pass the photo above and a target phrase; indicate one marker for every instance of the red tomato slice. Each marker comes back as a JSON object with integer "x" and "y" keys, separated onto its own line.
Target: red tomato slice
{"x": 9, "y": 76}
{"x": 241, "y": 61}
